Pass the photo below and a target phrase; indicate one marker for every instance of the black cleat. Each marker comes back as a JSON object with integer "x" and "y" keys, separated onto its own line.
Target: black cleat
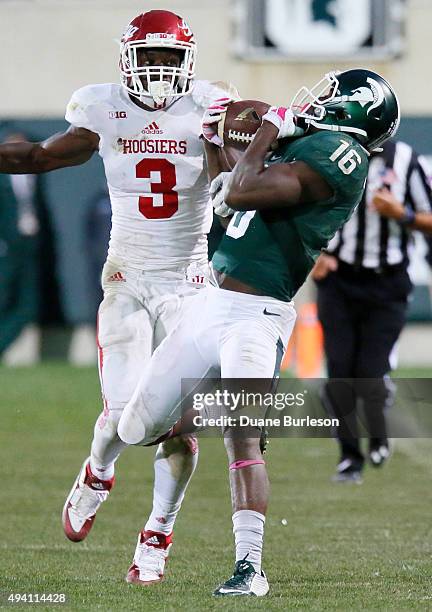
{"x": 349, "y": 470}
{"x": 378, "y": 454}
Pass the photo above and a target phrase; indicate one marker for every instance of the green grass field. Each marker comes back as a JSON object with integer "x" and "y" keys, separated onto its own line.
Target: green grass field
{"x": 345, "y": 547}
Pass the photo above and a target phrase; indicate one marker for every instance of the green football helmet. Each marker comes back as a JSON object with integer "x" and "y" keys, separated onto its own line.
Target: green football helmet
{"x": 357, "y": 101}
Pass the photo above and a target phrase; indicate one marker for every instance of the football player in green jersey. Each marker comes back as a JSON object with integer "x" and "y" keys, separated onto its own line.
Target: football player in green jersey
{"x": 285, "y": 210}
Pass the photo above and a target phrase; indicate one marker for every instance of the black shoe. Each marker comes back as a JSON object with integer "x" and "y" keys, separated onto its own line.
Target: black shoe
{"x": 349, "y": 470}
{"x": 379, "y": 452}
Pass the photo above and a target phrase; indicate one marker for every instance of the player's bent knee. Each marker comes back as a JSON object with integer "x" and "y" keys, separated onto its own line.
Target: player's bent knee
{"x": 108, "y": 420}
{"x": 131, "y": 429}
{"x": 105, "y": 435}
{"x": 136, "y": 425}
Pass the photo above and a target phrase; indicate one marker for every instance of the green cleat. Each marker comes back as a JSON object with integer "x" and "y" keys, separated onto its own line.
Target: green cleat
{"x": 244, "y": 581}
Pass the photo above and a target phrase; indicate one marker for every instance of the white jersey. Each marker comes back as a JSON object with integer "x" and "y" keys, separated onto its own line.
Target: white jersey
{"x": 156, "y": 173}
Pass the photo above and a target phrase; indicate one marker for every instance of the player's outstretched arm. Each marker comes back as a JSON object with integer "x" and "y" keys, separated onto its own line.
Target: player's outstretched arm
{"x": 255, "y": 187}
{"x": 71, "y": 148}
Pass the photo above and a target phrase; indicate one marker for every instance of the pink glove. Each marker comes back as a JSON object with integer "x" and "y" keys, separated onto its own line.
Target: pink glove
{"x": 284, "y": 119}
{"x": 213, "y": 121}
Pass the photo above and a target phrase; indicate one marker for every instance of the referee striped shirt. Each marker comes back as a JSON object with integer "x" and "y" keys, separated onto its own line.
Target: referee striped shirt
{"x": 369, "y": 240}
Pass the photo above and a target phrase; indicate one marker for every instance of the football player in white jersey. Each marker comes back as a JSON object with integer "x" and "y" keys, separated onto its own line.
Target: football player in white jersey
{"x": 147, "y": 132}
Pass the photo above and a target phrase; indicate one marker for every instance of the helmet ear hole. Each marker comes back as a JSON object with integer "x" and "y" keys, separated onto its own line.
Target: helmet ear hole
{"x": 342, "y": 114}
{"x": 376, "y": 113}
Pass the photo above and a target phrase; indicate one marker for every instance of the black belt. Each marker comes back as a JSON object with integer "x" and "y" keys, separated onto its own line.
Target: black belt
{"x": 346, "y": 269}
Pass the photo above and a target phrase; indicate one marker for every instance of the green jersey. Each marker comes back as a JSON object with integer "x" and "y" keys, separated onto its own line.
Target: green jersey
{"x": 274, "y": 251}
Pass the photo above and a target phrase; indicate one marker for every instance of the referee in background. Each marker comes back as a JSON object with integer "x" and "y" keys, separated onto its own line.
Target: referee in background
{"x": 363, "y": 290}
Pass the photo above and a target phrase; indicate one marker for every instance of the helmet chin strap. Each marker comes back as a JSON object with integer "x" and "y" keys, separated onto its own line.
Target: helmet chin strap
{"x": 336, "y": 128}
{"x": 149, "y": 101}
{"x": 155, "y": 103}
{"x": 340, "y": 128}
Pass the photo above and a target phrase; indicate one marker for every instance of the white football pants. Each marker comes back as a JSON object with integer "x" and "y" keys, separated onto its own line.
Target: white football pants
{"x": 138, "y": 310}
{"x": 241, "y": 335}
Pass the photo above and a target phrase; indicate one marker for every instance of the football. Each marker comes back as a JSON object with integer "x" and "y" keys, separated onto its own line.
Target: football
{"x": 241, "y": 122}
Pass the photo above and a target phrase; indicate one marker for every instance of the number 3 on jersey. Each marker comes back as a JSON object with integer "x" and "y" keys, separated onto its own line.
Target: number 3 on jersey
{"x": 163, "y": 204}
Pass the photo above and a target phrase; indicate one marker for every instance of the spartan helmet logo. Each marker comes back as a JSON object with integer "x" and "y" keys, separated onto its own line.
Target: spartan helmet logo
{"x": 364, "y": 95}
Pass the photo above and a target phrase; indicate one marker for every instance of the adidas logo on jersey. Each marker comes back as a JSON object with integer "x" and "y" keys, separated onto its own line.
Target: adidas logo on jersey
{"x": 117, "y": 277}
{"x": 153, "y": 128}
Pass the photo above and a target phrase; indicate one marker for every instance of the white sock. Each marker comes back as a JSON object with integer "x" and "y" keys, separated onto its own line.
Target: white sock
{"x": 172, "y": 476}
{"x": 248, "y": 529}
{"x": 103, "y": 473}
{"x": 106, "y": 445}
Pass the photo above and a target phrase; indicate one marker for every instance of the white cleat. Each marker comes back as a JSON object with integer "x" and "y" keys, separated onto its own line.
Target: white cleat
{"x": 84, "y": 500}
{"x": 149, "y": 559}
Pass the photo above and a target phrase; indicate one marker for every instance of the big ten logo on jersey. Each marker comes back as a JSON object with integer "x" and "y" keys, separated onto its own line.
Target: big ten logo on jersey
{"x": 117, "y": 114}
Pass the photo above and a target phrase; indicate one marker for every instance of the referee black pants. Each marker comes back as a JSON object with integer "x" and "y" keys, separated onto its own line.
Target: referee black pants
{"x": 362, "y": 314}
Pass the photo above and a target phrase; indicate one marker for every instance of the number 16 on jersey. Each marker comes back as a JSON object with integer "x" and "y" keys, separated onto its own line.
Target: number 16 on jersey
{"x": 349, "y": 161}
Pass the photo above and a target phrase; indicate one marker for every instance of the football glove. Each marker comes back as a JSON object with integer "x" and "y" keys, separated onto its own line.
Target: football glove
{"x": 217, "y": 191}
{"x": 285, "y": 121}
{"x": 213, "y": 116}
